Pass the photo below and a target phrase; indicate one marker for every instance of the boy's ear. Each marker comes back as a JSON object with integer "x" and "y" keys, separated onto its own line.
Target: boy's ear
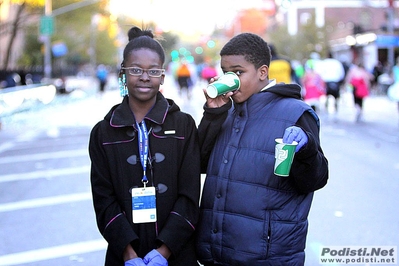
{"x": 263, "y": 72}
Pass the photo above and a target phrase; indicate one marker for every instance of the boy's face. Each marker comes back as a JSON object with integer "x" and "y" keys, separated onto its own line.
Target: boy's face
{"x": 252, "y": 79}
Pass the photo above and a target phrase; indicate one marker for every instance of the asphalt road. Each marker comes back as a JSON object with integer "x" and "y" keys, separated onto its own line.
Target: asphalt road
{"x": 46, "y": 214}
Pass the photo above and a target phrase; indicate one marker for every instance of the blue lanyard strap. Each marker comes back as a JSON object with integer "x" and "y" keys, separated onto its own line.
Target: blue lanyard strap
{"x": 143, "y": 148}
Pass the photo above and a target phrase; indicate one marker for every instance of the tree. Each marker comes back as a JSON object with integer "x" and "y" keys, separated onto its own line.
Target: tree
{"x": 17, "y": 22}
{"x": 35, "y": 56}
{"x": 74, "y": 28}
{"x": 168, "y": 41}
{"x": 310, "y": 38}
{"x": 80, "y": 30}
{"x": 251, "y": 20}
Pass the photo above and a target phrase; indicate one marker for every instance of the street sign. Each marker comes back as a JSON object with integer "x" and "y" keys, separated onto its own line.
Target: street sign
{"x": 46, "y": 25}
{"x": 387, "y": 41}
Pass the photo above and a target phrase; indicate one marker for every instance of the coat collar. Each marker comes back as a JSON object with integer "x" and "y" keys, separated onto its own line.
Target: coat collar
{"x": 121, "y": 115}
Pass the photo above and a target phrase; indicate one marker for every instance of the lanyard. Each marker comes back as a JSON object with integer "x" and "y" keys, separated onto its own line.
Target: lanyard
{"x": 143, "y": 148}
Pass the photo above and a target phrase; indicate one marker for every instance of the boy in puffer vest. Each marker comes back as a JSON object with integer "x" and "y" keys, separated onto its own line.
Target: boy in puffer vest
{"x": 249, "y": 215}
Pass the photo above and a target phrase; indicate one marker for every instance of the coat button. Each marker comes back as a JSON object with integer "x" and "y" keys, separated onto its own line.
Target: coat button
{"x": 214, "y": 231}
{"x": 225, "y": 161}
{"x": 131, "y": 132}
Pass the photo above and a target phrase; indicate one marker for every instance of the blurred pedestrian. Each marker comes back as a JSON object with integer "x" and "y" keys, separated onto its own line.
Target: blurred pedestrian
{"x": 298, "y": 68}
{"x": 184, "y": 79}
{"x": 332, "y": 72}
{"x": 249, "y": 215}
{"x": 145, "y": 166}
{"x": 378, "y": 70}
{"x": 314, "y": 86}
{"x": 360, "y": 79}
{"x": 209, "y": 71}
{"x": 280, "y": 68}
{"x": 393, "y": 90}
{"x": 102, "y": 76}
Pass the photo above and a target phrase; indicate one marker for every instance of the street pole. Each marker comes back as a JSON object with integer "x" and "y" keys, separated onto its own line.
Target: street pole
{"x": 47, "y": 43}
{"x": 93, "y": 41}
{"x": 49, "y": 12}
{"x": 391, "y": 32}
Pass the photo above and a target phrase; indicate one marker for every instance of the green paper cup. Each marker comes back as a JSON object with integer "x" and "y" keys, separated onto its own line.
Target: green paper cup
{"x": 227, "y": 82}
{"x": 284, "y": 154}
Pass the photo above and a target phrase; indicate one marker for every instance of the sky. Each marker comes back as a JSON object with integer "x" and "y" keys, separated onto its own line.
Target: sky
{"x": 189, "y": 17}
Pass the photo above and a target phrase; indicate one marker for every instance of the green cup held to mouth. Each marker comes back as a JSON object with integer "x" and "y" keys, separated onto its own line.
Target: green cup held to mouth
{"x": 226, "y": 83}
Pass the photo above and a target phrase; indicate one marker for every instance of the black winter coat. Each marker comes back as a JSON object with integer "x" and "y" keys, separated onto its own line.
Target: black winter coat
{"x": 173, "y": 169}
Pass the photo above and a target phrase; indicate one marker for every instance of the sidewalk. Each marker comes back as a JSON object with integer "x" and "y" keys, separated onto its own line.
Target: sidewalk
{"x": 74, "y": 110}
{"x": 80, "y": 109}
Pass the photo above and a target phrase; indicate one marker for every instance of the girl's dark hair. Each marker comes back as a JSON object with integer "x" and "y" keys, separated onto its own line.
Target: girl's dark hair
{"x": 254, "y": 49}
{"x": 139, "y": 39}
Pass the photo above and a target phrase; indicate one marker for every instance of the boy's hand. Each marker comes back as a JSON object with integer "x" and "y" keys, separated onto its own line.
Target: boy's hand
{"x": 297, "y": 134}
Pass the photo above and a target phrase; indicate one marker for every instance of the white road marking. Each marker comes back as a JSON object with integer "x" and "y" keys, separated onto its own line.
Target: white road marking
{"x": 45, "y": 174}
{"x": 43, "y": 156}
{"x": 6, "y": 146}
{"x": 47, "y": 201}
{"x": 53, "y": 252}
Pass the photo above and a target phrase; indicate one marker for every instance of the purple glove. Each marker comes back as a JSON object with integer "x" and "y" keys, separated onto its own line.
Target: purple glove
{"x": 154, "y": 258}
{"x": 295, "y": 134}
{"x": 135, "y": 262}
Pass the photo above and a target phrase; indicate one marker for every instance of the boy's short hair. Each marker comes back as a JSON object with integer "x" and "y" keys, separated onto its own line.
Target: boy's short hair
{"x": 254, "y": 49}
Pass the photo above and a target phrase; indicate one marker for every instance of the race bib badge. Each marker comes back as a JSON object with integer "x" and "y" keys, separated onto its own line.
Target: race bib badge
{"x": 144, "y": 205}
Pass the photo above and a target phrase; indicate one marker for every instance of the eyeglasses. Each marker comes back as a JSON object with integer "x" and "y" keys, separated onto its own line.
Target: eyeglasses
{"x": 137, "y": 71}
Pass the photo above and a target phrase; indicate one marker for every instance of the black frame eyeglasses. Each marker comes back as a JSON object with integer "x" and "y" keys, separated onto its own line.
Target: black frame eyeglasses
{"x": 137, "y": 71}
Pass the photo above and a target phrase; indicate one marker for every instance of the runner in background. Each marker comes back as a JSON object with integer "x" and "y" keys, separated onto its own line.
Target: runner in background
{"x": 313, "y": 86}
{"x": 280, "y": 68}
{"x": 333, "y": 73}
{"x": 208, "y": 72}
{"x": 102, "y": 76}
{"x": 360, "y": 79}
{"x": 184, "y": 79}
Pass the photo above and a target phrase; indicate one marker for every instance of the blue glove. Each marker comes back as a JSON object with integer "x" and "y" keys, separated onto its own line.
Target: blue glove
{"x": 154, "y": 258}
{"x": 295, "y": 134}
{"x": 135, "y": 262}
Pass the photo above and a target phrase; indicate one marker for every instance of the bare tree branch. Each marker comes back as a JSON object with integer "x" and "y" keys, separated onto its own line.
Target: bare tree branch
{"x": 14, "y": 30}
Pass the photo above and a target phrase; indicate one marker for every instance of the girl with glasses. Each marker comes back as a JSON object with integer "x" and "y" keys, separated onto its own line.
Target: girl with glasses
{"x": 145, "y": 166}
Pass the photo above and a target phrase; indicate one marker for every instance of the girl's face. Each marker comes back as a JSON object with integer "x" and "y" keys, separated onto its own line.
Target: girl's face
{"x": 252, "y": 80}
{"x": 143, "y": 88}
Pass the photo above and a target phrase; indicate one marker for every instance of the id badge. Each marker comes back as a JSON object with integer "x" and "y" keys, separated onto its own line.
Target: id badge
{"x": 143, "y": 205}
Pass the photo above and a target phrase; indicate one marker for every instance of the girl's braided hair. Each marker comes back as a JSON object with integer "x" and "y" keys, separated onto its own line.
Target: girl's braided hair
{"x": 139, "y": 39}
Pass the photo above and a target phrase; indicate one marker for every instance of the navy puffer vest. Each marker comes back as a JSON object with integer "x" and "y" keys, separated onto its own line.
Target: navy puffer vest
{"x": 254, "y": 216}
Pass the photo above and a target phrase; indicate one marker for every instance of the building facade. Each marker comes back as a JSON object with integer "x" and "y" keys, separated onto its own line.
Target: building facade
{"x": 365, "y": 30}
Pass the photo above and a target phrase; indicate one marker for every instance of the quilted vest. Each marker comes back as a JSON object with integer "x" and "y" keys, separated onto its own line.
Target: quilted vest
{"x": 249, "y": 216}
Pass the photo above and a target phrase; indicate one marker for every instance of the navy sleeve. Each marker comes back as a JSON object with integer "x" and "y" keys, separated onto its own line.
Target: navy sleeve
{"x": 208, "y": 129}
{"x": 310, "y": 166}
